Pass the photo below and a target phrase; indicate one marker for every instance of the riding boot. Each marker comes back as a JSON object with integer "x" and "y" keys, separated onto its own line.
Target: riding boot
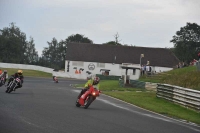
{"x": 82, "y": 92}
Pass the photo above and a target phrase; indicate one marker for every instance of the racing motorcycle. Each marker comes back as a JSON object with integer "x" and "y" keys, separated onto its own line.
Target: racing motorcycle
{"x": 2, "y": 81}
{"x": 12, "y": 85}
{"x": 88, "y": 97}
{"x": 55, "y": 79}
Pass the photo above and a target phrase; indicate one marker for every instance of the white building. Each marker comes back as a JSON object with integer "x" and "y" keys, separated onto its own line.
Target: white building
{"x": 82, "y": 58}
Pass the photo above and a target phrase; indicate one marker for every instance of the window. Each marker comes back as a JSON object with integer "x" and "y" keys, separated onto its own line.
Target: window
{"x": 106, "y": 73}
{"x": 133, "y": 71}
{"x": 77, "y": 63}
{"x": 101, "y": 65}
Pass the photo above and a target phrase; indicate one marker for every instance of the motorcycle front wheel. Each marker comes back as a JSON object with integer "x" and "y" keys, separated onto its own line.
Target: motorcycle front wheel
{"x": 88, "y": 102}
{"x": 11, "y": 88}
{"x": 77, "y": 104}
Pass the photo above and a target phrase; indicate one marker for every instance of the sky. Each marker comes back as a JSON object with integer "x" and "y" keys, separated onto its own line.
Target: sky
{"x": 143, "y": 23}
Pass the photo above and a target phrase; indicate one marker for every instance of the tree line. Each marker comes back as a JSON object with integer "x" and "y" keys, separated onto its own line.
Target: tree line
{"x": 15, "y": 48}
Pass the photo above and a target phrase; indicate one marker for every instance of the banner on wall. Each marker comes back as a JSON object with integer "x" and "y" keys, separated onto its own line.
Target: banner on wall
{"x": 91, "y": 66}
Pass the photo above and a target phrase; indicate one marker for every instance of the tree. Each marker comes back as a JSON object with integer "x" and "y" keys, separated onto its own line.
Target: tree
{"x": 117, "y": 39}
{"x": 31, "y": 55}
{"x": 78, "y": 39}
{"x": 116, "y": 42}
{"x": 54, "y": 55}
{"x": 13, "y": 45}
{"x": 187, "y": 42}
{"x": 62, "y": 53}
{"x": 110, "y": 43}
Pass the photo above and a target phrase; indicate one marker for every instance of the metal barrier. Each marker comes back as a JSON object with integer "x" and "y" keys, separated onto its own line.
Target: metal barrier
{"x": 184, "y": 96}
{"x": 108, "y": 77}
{"x": 137, "y": 84}
{"x": 121, "y": 82}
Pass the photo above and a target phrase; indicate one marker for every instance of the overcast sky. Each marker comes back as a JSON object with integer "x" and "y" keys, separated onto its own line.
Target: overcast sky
{"x": 146, "y": 23}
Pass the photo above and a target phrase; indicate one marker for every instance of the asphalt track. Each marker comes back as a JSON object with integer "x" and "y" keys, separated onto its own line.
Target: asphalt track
{"x": 42, "y": 106}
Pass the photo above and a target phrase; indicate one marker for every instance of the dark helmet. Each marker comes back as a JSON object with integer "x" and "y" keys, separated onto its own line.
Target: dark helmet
{"x": 96, "y": 80}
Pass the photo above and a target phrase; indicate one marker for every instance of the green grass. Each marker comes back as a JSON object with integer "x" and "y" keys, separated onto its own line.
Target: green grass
{"x": 110, "y": 85}
{"x": 31, "y": 73}
{"x": 149, "y": 101}
{"x": 187, "y": 77}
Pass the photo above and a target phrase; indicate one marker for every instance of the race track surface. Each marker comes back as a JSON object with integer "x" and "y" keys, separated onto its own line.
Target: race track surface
{"x": 42, "y": 106}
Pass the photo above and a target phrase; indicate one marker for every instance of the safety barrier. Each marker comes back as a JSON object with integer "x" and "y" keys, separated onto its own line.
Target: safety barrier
{"x": 25, "y": 66}
{"x": 150, "y": 86}
{"x": 121, "y": 82}
{"x": 137, "y": 84}
{"x": 108, "y": 77}
{"x": 183, "y": 96}
{"x": 43, "y": 69}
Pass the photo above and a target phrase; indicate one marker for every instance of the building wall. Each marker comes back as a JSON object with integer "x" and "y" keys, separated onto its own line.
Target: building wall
{"x": 115, "y": 69}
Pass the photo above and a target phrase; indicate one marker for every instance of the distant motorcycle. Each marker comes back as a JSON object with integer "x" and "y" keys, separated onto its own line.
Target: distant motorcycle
{"x": 55, "y": 79}
{"x": 88, "y": 97}
{"x": 12, "y": 85}
{"x": 2, "y": 81}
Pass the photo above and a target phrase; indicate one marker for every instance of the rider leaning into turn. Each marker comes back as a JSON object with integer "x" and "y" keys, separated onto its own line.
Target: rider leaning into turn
{"x": 5, "y": 75}
{"x": 19, "y": 75}
{"x": 91, "y": 82}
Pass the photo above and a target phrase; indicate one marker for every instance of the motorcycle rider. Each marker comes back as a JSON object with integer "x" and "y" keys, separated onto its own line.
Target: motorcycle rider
{"x": 55, "y": 79}
{"x": 19, "y": 75}
{"x": 91, "y": 82}
{"x": 5, "y": 75}
{"x": 0, "y": 71}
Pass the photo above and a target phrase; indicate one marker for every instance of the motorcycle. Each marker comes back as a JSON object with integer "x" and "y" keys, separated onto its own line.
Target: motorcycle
{"x": 88, "y": 97}
{"x": 12, "y": 85}
{"x": 2, "y": 81}
{"x": 55, "y": 79}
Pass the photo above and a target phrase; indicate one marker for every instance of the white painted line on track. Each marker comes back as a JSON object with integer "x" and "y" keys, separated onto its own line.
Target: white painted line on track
{"x": 22, "y": 119}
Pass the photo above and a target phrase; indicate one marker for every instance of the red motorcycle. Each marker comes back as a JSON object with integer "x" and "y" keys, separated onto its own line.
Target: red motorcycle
{"x": 88, "y": 97}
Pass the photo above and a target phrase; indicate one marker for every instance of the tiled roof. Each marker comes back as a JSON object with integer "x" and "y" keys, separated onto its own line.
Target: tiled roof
{"x": 124, "y": 54}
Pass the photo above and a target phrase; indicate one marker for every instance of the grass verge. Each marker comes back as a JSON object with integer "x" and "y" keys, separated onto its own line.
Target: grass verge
{"x": 187, "y": 77}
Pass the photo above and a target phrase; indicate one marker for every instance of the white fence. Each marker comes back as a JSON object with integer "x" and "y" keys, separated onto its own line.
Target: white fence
{"x": 43, "y": 69}
{"x": 184, "y": 96}
{"x": 24, "y": 66}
